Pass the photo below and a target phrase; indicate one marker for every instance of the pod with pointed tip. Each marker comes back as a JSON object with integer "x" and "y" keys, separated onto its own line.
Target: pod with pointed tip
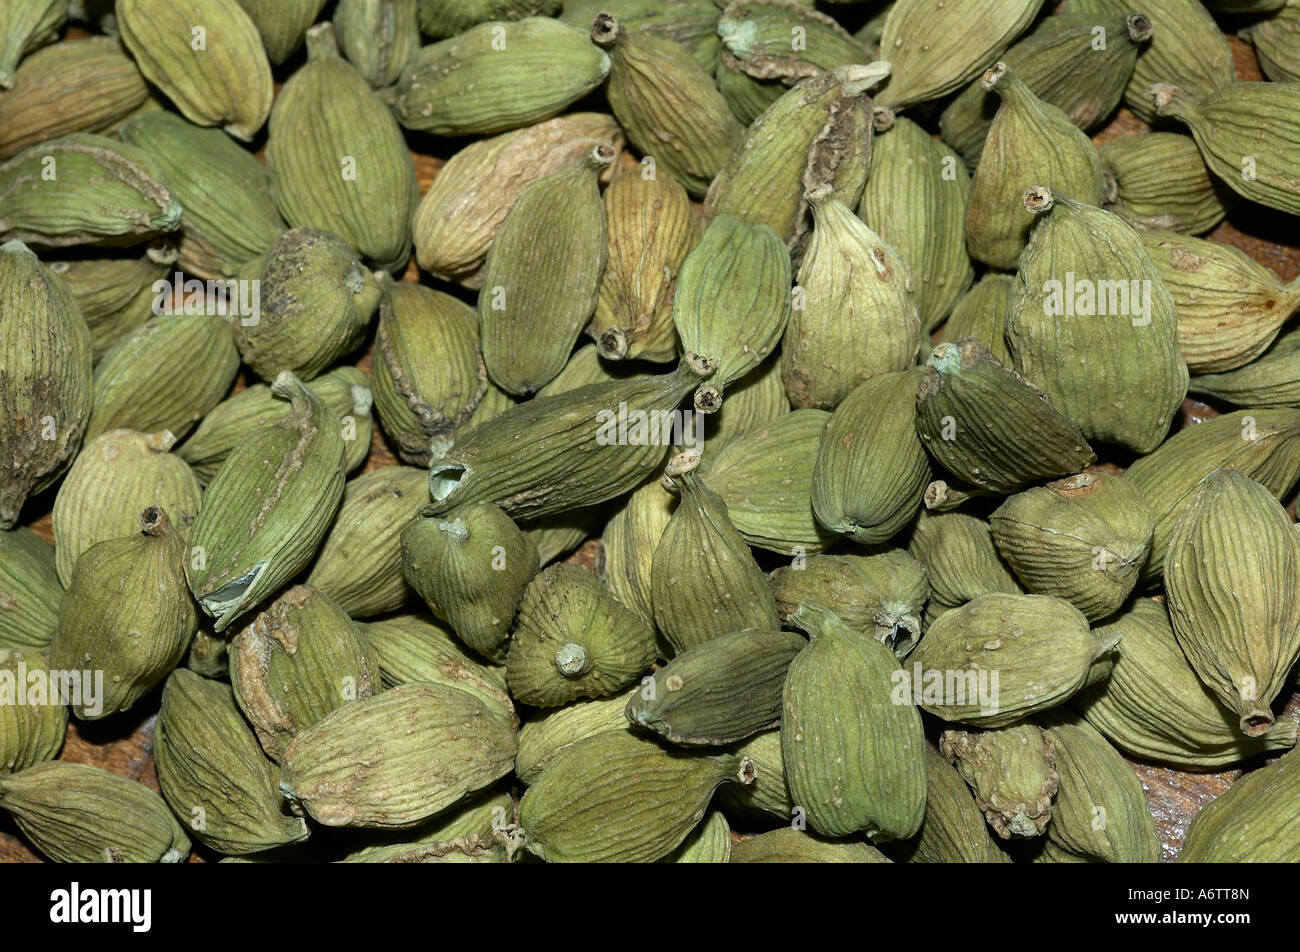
{"x": 692, "y": 23}
{"x": 1256, "y": 821}
{"x": 1012, "y": 771}
{"x": 755, "y": 399}
{"x": 27, "y": 25}
{"x": 1159, "y": 182}
{"x": 32, "y": 723}
{"x": 282, "y": 23}
{"x": 558, "y": 728}
{"x": 30, "y": 590}
{"x": 767, "y": 796}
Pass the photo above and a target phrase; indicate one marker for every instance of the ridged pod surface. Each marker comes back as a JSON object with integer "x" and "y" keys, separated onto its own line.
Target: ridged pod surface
{"x": 960, "y": 560}
{"x": 1276, "y": 45}
{"x": 379, "y": 37}
{"x": 1270, "y": 380}
{"x": 25, "y": 26}
{"x": 626, "y": 550}
{"x": 1012, "y": 772}
{"x": 114, "y": 294}
{"x": 558, "y": 728}
{"x": 797, "y": 846}
{"x": 1256, "y": 821}
{"x": 981, "y": 313}
{"x": 1159, "y": 182}
{"x": 30, "y": 590}
{"x": 282, "y": 23}
{"x": 953, "y": 830}
{"x": 32, "y": 723}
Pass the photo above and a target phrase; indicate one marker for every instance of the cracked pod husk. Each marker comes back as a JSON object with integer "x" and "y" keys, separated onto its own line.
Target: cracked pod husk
{"x": 127, "y": 613}
{"x": 817, "y": 133}
{"x": 115, "y": 295}
{"x": 1052, "y": 60}
{"x": 297, "y": 661}
{"x": 165, "y": 375}
{"x": 915, "y": 200}
{"x": 990, "y": 426}
{"x": 1186, "y": 47}
{"x": 84, "y": 189}
{"x": 882, "y": 594}
{"x": 480, "y": 830}
{"x": 213, "y": 773}
{"x": 1030, "y": 141}
{"x": 960, "y": 560}
{"x": 769, "y": 45}
{"x": 1083, "y": 539}
{"x": 1230, "y": 576}
{"x": 115, "y": 476}
{"x": 76, "y": 813}
{"x": 46, "y": 394}
{"x": 625, "y": 553}
{"x": 1101, "y": 811}
{"x": 206, "y": 55}
{"x": 1012, "y": 772}
{"x": 855, "y": 312}
{"x": 1277, "y": 43}
{"x": 267, "y": 510}
{"x": 498, "y": 76}
{"x": 1248, "y": 134}
{"x": 557, "y": 729}
{"x": 230, "y": 215}
{"x": 618, "y": 797}
{"x": 1270, "y": 380}
{"x": 471, "y": 566}
{"x": 1230, "y": 307}
{"x": 346, "y": 389}
{"x": 1154, "y": 706}
{"x": 32, "y": 723}
{"x": 937, "y": 47}
{"x": 732, "y": 302}
{"x": 559, "y": 453}
{"x": 719, "y": 692}
{"x": 282, "y": 24}
{"x": 692, "y": 23}
{"x": 773, "y": 513}
{"x": 1000, "y": 658}
{"x": 854, "y": 752}
{"x": 871, "y": 468}
{"x": 360, "y": 561}
{"x": 1264, "y": 444}
{"x": 703, "y": 579}
{"x": 27, "y": 25}
{"x": 1256, "y": 821}
{"x": 652, "y": 229}
{"x": 379, "y": 37}
{"x": 981, "y": 313}
{"x": 30, "y": 590}
{"x": 1091, "y": 323}
{"x": 789, "y": 845}
{"x": 463, "y": 209}
{"x": 1159, "y": 182}
{"x": 953, "y": 830}
{"x": 537, "y": 296}
{"x": 573, "y": 639}
{"x": 338, "y": 160}
{"x": 82, "y": 86}
{"x": 429, "y": 376}
{"x": 668, "y": 106}
{"x": 394, "y": 759}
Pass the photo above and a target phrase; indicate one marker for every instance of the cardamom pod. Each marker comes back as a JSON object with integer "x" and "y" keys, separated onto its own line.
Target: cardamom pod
{"x": 757, "y": 398}
{"x": 30, "y": 590}
{"x": 27, "y": 25}
{"x": 710, "y": 842}
{"x": 282, "y": 24}
{"x": 115, "y": 295}
{"x": 441, "y": 18}
{"x": 953, "y": 830}
{"x": 625, "y": 553}
{"x": 1270, "y": 380}
{"x": 767, "y": 795}
{"x": 981, "y": 313}
{"x": 960, "y": 561}
{"x": 1159, "y": 182}
{"x": 788, "y": 845}
{"x": 557, "y": 729}
{"x": 32, "y": 723}
{"x": 1274, "y": 40}
{"x": 1012, "y": 772}
{"x": 692, "y": 23}
{"x": 479, "y": 831}
{"x": 1254, "y": 822}
{"x": 378, "y": 37}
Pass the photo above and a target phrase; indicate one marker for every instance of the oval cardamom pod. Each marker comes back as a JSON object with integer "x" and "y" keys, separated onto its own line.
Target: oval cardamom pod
{"x": 28, "y": 25}
{"x": 268, "y": 508}
{"x": 1274, "y": 40}
{"x": 1159, "y": 182}
{"x": 981, "y": 313}
{"x": 953, "y": 830}
{"x": 767, "y": 796}
{"x": 625, "y": 553}
{"x": 960, "y": 560}
{"x": 710, "y": 842}
{"x": 1012, "y": 772}
{"x": 126, "y": 613}
{"x": 30, "y": 590}
{"x": 394, "y": 759}
{"x": 206, "y": 55}
{"x": 557, "y": 729}
{"x": 282, "y": 23}
{"x": 476, "y": 832}
{"x": 692, "y": 23}
{"x": 115, "y": 295}
{"x": 1254, "y": 822}
{"x": 788, "y": 845}
{"x": 212, "y": 771}
{"x": 378, "y": 37}
{"x": 1270, "y": 380}
{"x": 32, "y": 723}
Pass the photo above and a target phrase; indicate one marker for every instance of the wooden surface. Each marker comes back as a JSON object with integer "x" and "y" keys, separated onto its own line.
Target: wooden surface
{"x": 122, "y": 743}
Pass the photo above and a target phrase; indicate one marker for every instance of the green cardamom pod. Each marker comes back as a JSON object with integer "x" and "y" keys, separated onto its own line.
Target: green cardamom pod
{"x": 990, "y": 426}
{"x": 1000, "y": 658}
{"x": 201, "y": 361}
{"x": 282, "y": 24}
{"x": 32, "y": 723}
{"x": 953, "y": 830}
{"x": 206, "y": 55}
{"x": 442, "y": 18}
{"x": 625, "y": 553}
{"x": 127, "y": 615}
{"x": 230, "y": 216}
{"x": 710, "y": 842}
{"x": 557, "y": 729}
{"x": 573, "y": 639}
{"x": 1087, "y": 286}
{"x": 1012, "y": 772}
{"x": 561, "y": 533}
{"x": 1159, "y": 182}
{"x": 960, "y": 560}
{"x": 617, "y": 797}
{"x": 209, "y": 655}
{"x": 704, "y": 580}
{"x": 267, "y": 510}
{"x": 1029, "y": 141}
{"x": 115, "y": 295}
{"x": 1155, "y": 707}
{"x": 392, "y": 760}
{"x": 1083, "y": 539}
{"x": 27, "y": 25}
{"x": 115, "y": 476}
{"x": 853, "y": 752}
{"x": 353, "y": 174}
{"x": 30, "y": 590}
{"x": 1270, "y": 380}
{"x": 981, "y": 313}
{"x": 788, "y": 845}
{"x": 498, "y": 76}
{"x": 212, "y": 772}
{"x": 755, "y": 399}
{"x": 297, "y": 661}
{"x": 692, "y": 23}
{"x": 767, "y": 795}
{"x": 46, "y": 395}
{"x": 84, "y": 189}
{"x": 378, "y": 37}
{"x": 871, "y": 468}
{"x": 585, "y": 367}
{"x": 562, "y": 452}
{"x": 856, "y": 313}
{"x": 1254, "y": 822}
{"x": 1276, "y": 47}
{"x": 463, "y": 209}
{"x": 76, "y": 813}
{"x": 480, "y": 831}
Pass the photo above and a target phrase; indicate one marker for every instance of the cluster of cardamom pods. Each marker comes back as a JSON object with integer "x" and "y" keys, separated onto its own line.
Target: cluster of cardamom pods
{"x": 860, "y": 360}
